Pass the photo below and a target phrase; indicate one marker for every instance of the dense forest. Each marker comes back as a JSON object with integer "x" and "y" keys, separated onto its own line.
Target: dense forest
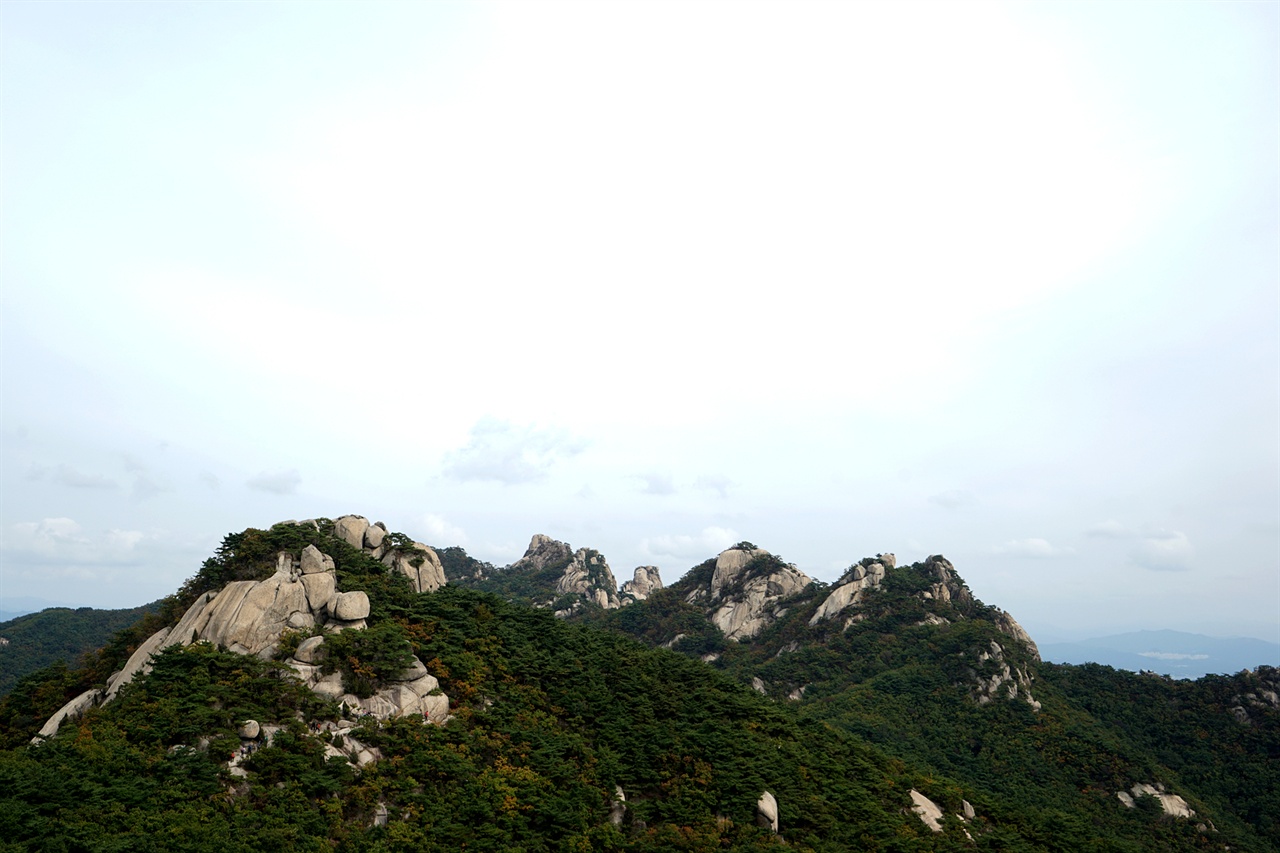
{"x": 37, "y": 640}
{"x": 587, "y": 734}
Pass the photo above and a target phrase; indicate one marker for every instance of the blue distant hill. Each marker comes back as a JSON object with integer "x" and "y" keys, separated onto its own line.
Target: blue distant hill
{"x": 1174, "y": 653}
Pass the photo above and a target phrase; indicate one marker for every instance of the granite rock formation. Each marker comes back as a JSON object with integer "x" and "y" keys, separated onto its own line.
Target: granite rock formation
{"x": 250, "y": 617}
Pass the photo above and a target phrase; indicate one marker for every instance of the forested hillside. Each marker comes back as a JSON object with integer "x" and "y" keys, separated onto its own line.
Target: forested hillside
{"x": 889, "y": 711}
{"x": 37, "y": 640}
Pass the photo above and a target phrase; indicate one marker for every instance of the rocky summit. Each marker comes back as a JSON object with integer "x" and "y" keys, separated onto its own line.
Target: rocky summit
{"x": 250, "y": 617}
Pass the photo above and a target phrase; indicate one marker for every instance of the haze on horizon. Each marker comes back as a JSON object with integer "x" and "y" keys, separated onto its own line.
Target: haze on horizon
{"x": 997, "y": 281}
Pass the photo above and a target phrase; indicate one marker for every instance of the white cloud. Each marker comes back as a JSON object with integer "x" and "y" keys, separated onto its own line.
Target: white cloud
{"x": 145, "y": 486}
{"x": 954, "y": 499}
{"x": 657, "y": 484}
{"x": 441, "y": 532}
{"x": 1164, "y": 551}
{"x": 506, "y": 453}
{"x": 43, "y": 537}
{"x": 64, "y": 542}
{"x": 714, "y": 483}
{"x": 1033, "y": 547}
{"x": 210, "y": 479}
{"x": 68, "y": 476}
{"x": 710, "y": 542}
{"x": 276, "y": 483}
{"x": 1109, "y": 529}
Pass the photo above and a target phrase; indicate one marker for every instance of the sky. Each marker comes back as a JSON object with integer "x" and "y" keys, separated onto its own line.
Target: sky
{"x": 993, "y": 281}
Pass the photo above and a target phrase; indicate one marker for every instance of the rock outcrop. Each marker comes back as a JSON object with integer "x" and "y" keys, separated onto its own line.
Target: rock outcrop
{"x": 250, "y": 616}
{"x": 767, "y": 812}
{"x": 1264, "y": 695}
{"x": 1010, "y": 626}
{"x": 994, "y": 678}
{"x": 1172, "y": 804}
{"x": 929, "y": 812}
{"x": 588, "y": 575}
{"x": 543, "y": 551}
{"x": 646, "y": 581}
{"x": 746, "y": 586}
{"x": 419, "y": 563}
{"x": 414, "y": 691}
{"x": 853, "y": 585}
{"x": 74, "y": 708}
{"x": 618, "y": 806}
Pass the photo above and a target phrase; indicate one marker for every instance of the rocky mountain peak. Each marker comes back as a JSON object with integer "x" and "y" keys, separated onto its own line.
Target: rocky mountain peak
{"x": 252, "y": 617}
{"x": 948, "y": 586}
{"x": 646, "y": 581}
{"x": 589, "y": 576}
{"x": 745, "y": 588}
{"x": 730, "y": 564}
{"x": 543, "y": 551}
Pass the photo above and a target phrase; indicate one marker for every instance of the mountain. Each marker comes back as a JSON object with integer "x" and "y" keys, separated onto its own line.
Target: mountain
{"x": 1173, "y": 653}
{"x": 34, "y": 641}
{"x": 332, "y": 685}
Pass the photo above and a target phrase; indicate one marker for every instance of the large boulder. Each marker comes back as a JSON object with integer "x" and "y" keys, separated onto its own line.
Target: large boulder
{"x": 321, "y": 589}
{"x": 310, "y": 650}
{"x": 350, "y": 606}
{"x": 929, "y": 812}
{"x": 374, "y": 534}
{"x": 767, "y": 811}
{"x": 313, "y": 561}
{"x": 420, "y": 564}
{"x": 351, "y": 529}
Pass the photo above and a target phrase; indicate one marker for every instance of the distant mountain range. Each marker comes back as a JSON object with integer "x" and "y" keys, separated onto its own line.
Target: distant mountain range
{"x": 1175, "y": 653}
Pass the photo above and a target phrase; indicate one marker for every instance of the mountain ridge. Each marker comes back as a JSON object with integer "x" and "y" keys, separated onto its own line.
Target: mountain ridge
{"x": 935, "y": 707}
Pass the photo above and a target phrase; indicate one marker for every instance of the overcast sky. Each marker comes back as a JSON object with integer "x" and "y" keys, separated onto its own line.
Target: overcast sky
{"x": 998, "y": 282}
